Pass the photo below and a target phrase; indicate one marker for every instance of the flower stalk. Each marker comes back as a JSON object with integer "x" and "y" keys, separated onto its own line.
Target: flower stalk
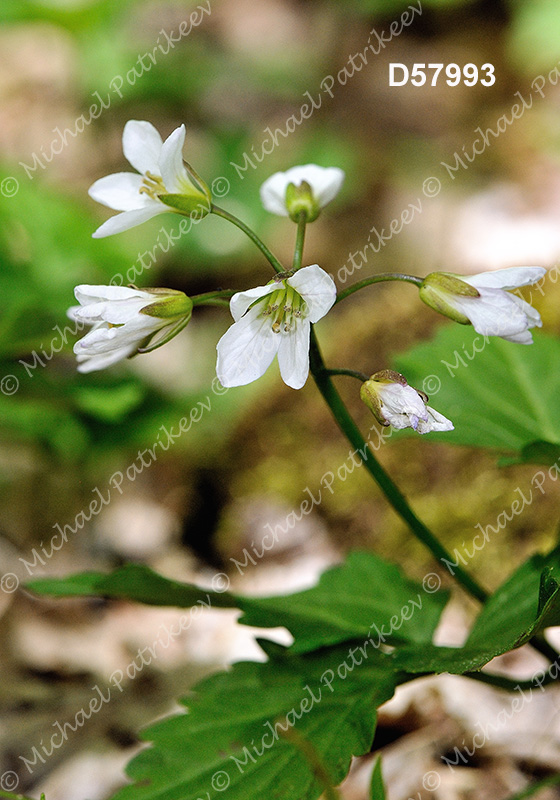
{"x": 382, "y": 277}
{"x": 377, "y": 472}
{"x": 300, "y": 239}
{"x": 270, "y": 257}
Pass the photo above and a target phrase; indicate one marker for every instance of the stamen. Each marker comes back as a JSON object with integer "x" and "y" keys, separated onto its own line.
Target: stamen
{"x": 152, "y": 185}
{"x": 285, "y": 305}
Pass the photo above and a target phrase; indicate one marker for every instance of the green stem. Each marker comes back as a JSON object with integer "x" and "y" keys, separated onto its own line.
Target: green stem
{"x": 385, "y": 483}
{"x": 220, "y": 297}
{"x": 361, "y": 376}
{"x": 383, "y": 276}
{"x": 322, "y": 376}
{"x": 509, "y": 685}
{"x": 272, "y": 260}
{"x": 300, "y": 238}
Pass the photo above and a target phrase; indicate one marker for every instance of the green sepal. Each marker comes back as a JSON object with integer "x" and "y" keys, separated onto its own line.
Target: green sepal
{"x": 448, "y": 282}
{"x": 438, "y": 288}
{"x": 369, "y": 392}
{"x": 174, "y": 304}
{"x": 370, "y": 396}
{"x": 195, "y": 205}
{"x": 300, "y": 198}
{"x": 389, "y": 376}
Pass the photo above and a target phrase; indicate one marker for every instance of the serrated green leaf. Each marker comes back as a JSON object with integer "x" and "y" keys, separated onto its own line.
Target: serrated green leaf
{"x": 498, "y": 394}
{"x": 367, "y": 596}
{"x": 232, "y": 736}
{"x": 364, "y": 597}
{"x": 132, "y": 582}
{"x": 518, "y": 610}
{"x": 512, "y": 613}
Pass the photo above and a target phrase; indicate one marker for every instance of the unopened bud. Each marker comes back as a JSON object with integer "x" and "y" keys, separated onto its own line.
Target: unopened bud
{"x": 438, "y": 289}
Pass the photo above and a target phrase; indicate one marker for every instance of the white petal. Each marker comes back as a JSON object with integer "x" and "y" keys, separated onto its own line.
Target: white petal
{"x": 293, "y": 355}
{"x": 494, "y": 313}
{"x": 325, "y": 183}
{"x": 317, "y": 289}
{"x": 120, "y": 191}
{"x": 241, "y": 301}
{"x": 142, "y": 146}
{"x": 103, "y": 339}
{"x": 533, "y": 317}
{"x": 92, "y": 293}
{"x": 402, "y": 406}
{"x": 71, "y": 313}
{"x": 129, "y": 219}
{"x": 436, "y": 422}
{"x": 519, "y": 338}
{"x": 116, "y": 313}
{"x": 171, "y": 165}
{"x": 510, "y": 278}
{"x": 273, "y": 194}
{"x": 102, "y": 360}
{"x": 246, "y": 350}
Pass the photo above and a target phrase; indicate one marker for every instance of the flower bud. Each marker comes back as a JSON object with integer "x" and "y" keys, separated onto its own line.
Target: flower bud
{"x": 371, "y": 392}
{"x": 300, "y": 198}
{"x": 438, "y": 290}
{"x": 172, "y": 304}
{"x": 393, "y": 402}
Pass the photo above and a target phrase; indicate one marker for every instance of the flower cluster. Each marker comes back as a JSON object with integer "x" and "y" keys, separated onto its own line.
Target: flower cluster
{"x": 273, "y": 319}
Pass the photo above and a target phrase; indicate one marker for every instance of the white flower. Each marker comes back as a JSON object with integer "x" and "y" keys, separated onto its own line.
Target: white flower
{"x": 393, "y": 402}
{"x": 123, "y": 320}
{"x": 162, "y": 172}
{"x": 274, "y": 320}
{"x": 483, "y": 300}
{"x": 306, "y": 188}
